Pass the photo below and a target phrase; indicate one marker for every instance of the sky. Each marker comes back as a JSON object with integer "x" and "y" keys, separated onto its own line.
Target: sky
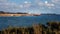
{"x": 31, "y": 6}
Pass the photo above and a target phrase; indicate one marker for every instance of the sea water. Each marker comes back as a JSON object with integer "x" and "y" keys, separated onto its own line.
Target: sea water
{"x": 21, "y": 21}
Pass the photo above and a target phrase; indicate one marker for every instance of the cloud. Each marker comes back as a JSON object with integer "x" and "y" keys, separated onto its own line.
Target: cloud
{"x": 27, "y": 4}
{"x": 35, "y": 5}
{"x": 21, "y": 6}
{"x": 40, "y": 3}
{"x": 7, "y": 6}
{"x": 3, "y": 1}
{"x": 50, "y": 5}
{"x": 46, "y": 4}
{"x": 56, "y": 1}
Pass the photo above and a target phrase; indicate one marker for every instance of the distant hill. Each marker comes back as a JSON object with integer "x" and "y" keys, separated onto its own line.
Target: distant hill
{"x": 2, "y": 12}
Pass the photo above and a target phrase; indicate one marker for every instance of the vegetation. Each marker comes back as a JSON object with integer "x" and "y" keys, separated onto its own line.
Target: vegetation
{"x": 50, "y": 28}
{"x": 2, "y": 12}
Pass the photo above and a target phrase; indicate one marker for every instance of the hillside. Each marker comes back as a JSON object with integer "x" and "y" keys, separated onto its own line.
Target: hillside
{"x": 2, "y": 13}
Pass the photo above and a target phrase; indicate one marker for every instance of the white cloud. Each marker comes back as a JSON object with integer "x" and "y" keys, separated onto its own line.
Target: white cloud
{"x": 46, "y": 4}
{"x": 21, "y": 6}
{"x": 50, "y": 5}
{"x": 56, "y": 1}
{"x": 40, "y": 3}
{"x": 27, "y": 4}
{"x": 37, "y": 4}
{"x": 13, "y": 6}
{"x": 9, "y": 5}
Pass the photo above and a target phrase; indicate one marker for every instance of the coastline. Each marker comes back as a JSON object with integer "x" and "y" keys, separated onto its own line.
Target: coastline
{"x": 15, "y": 15}
{"x": 19, "y": 15}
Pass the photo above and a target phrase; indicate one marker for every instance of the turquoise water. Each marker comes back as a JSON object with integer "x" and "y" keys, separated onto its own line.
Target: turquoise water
{"x": 26, "y": 20}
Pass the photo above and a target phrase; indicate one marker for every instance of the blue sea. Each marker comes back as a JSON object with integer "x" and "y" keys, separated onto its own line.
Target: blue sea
{"x": 21, "y": 21}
